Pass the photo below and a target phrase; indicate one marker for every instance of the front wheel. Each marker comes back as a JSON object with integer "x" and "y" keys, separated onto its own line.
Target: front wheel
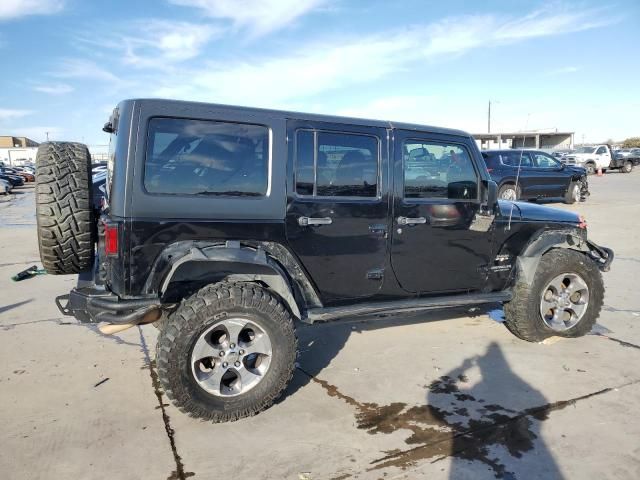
{"x": 573, "y": 193}
{"x": 227, "y": 353}
{"x": 564, "y": 299}
{"x": 590, "y": 168}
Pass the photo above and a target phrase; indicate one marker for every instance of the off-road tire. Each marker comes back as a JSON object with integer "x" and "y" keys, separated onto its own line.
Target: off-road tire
{"x": 627, "y": 167}
{"x": 64, "y": 212}
{"x": 183, "y": 327}
{"x": 511, "y": 186}
{"x": 522, "y": 313}
{"x": 568, "y": 196}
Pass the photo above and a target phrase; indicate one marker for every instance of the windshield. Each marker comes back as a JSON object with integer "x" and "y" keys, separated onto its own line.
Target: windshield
{"x": 586, "y": 150}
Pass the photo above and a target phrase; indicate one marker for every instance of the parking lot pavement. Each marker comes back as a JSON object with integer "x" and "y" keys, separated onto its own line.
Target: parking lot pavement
{"x": 453, "y": 398}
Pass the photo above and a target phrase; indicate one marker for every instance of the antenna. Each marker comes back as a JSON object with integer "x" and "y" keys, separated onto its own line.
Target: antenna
{"x": 524, "y": 138}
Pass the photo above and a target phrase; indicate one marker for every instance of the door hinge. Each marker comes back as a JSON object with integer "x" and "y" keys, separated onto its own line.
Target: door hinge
{"x": 375, "y": 274}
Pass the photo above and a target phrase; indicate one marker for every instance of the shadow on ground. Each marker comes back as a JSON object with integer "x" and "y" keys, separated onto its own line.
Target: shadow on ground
{"x": 480, "y": 437}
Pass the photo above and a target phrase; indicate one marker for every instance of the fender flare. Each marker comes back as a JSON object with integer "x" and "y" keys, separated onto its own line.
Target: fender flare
{"x": 258, "y": 265}
{"x": 572, "y": 239}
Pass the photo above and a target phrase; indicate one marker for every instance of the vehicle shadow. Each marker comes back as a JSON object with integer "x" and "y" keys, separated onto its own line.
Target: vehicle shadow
{"x": 319, "y": 344}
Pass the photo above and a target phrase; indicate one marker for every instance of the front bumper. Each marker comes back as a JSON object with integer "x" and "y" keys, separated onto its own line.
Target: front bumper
{"x": 601, "y": 255}
{"x": 94, "y": 304}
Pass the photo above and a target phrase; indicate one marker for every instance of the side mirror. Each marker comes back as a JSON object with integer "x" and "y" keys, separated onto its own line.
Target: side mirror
{"x": 489, "y": 195}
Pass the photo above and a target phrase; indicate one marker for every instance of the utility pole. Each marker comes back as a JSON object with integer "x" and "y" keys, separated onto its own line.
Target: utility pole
{"x": 489, "y": 118}
{"x": 47, "y": 134}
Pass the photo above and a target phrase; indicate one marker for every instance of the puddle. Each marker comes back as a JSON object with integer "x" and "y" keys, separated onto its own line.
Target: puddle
{"x": 468, "y": 429}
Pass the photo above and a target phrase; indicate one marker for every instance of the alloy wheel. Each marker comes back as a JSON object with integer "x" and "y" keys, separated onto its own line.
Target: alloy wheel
{"x": 231, "y": 357}
{"x": 564, "y": 301}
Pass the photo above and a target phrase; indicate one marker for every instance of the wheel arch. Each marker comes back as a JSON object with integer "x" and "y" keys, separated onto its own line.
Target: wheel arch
{"x": 205, "y": 262}
{"x": 571, "y": 238}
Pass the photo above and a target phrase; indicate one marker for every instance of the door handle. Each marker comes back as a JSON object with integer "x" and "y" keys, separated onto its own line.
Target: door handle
{"x": 411, "y": 221}
{"x": 306, "y": 221}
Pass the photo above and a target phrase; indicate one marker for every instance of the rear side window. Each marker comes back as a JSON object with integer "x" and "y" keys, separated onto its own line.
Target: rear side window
{"x": 516, "y": 158}
{"x": 191, "y": 157}
{"x": 332, "y": 164}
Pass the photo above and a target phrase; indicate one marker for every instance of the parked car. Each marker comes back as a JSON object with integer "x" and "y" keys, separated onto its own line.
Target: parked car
{"x": 227, "y": 225}
{"x": 532, "y": 175}
{"x": 15, "y": 180}
{"x": 5, "y": 187}
{"x": 98, "y": 192}
{"x": 624, "y": 152}
{"x": 26, "y": 176}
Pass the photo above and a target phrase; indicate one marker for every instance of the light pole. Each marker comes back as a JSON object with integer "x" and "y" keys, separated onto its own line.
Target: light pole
{"x": 489, "y": 116}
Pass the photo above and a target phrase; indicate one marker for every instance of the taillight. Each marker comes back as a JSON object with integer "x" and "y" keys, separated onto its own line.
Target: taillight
{"x": 111, "y": 239}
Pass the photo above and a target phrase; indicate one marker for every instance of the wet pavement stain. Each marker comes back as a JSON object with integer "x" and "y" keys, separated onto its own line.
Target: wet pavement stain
{"x": 438, "y": 433}
{"x": 179, "y": 473}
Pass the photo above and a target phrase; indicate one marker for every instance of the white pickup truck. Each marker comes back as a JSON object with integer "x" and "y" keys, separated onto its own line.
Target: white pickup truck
{"x": 597, "y": 157}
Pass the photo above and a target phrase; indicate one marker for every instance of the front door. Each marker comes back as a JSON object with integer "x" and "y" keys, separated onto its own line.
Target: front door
{"x": 436, "y": 184}
{"x": 337, "y": 211}
{"x": 550, "y": 171}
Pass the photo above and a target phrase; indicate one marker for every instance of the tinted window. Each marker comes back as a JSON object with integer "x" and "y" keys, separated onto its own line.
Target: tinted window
{"x": 438, "y": 170}
{"x": 601, "y": 150}
{"x": 516, "y": 158}
{"x": 206, "y": 157}
{"x": 342, "y": 165}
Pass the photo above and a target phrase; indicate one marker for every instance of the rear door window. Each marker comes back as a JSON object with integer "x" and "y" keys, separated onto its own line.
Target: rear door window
{"x": 201, "y": 157}
{"x": 332, "y": 164}
{"x": 515, "y": 159}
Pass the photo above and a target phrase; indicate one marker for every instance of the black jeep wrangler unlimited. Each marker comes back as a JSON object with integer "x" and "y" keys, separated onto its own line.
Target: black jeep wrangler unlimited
{"x": 224, "y": 225}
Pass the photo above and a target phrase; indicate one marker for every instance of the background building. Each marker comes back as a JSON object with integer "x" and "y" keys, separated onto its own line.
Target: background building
{"x": 17, "y": 150}
{"x": 540, "y": 140}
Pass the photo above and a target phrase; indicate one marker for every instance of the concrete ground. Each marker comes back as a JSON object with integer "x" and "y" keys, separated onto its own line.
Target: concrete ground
{"x": 457, "y": 397}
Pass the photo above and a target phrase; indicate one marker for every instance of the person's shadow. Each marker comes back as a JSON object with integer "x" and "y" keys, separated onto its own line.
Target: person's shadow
{"x": 493, "y": 421}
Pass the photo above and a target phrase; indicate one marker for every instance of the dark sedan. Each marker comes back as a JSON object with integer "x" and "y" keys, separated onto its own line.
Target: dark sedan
{"x": 14, "y": 180}
{"x": 541, "y": 176}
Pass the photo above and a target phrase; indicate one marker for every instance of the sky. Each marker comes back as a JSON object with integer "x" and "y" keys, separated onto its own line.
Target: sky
{"x": 570, "y": 66}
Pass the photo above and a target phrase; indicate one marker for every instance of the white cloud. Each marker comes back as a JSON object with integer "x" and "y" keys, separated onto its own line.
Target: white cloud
{"x": 21, "y": 8}
{"x": 154, "y": 43}
{"x": 259, "y": 16}
{"x": 317, "y": 68}
{"x": 54, "y": 89}
{"x": 563, "y": 70}
{"x": 87, "y": 69}
{"x": 11, "y": 114}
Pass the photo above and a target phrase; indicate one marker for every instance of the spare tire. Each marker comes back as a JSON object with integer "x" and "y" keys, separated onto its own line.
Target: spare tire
{"x": 64, "y": 211}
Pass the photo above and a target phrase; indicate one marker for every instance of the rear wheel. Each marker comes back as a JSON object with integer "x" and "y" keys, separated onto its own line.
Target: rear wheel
{"x": 627, "y": 167}
{"x": 564, "y": 299}
{"x": 509, "y": 192}
{"x": 66, "y": 227}
{"x": 227, "y": 353}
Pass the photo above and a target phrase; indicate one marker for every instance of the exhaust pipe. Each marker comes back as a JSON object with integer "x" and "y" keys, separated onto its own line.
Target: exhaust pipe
{"x": 148, "y": 317}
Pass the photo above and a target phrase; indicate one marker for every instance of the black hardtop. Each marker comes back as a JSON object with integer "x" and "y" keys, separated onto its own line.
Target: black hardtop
{"x": 182, "y": 109}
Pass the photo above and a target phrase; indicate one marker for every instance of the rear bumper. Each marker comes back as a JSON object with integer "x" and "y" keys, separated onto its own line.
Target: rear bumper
{"x": 94, "y": 304}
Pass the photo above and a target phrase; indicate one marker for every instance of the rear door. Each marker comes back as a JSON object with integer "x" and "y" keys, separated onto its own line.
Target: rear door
{"x": 436, "y": 196}
{"x": 337, "y": 211}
